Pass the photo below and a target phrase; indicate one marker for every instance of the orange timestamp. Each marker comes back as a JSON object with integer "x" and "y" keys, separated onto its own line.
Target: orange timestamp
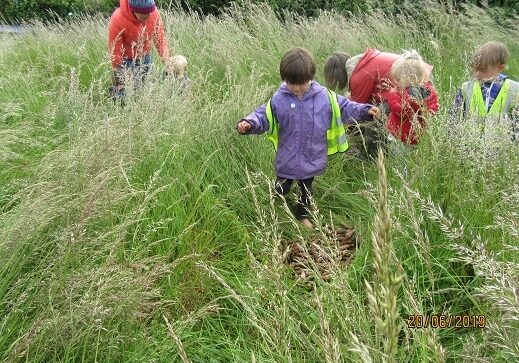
{"x": 418, "y": 321}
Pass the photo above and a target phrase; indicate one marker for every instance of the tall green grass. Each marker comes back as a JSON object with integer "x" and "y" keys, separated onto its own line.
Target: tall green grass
{"x": 150, "y": 232}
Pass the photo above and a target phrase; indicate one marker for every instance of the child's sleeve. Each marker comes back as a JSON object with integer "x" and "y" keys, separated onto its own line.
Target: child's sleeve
{"x": 258, "y": 120}
{"x": 352, "y": 112}
{"x": 160, "y": 40}
{"x": 515, "y": 122}
{"x": 395, "y": 102}
{"x": 456, "y": 110}
{"x": 115, "y": 41}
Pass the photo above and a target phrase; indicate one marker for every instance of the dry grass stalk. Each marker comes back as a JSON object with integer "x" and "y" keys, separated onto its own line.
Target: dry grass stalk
{"x": 382, "y": 293}
{"x": 22, "y": 346}
{"x": 449, "y": 226}
{"x": 361, "y": 349}
{"x": 436, "y": 352}
{"x": 177, "y": 340}
{"x": 252, "y": 316}
{"x": 329, "y": 341}
{"x": 420, "y": 238}
{"x": 501, "y": 288}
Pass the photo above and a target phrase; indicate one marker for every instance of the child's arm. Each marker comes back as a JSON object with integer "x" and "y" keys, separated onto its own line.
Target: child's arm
{"x": 160, "y": 40}
{"x": 514, "y": 115}
{"x": 115, "y": 42}
{"x": 457, "y": 110}
{"x": 395, "y": 101}
{"x": 352, "y": 112}
{"x": 403, "y": 104}
{"x": 255, "y": 123}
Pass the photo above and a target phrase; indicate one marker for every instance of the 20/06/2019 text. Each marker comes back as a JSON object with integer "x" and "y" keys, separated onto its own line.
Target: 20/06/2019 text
{"x": 446, "y": 321}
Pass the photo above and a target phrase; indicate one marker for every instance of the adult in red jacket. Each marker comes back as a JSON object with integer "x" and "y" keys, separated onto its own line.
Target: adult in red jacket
{"x": 366, "y": 76}
{"x": 134, "y": 27}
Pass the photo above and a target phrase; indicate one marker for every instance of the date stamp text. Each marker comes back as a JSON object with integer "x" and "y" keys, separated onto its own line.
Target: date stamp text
{"x": 418, "y": 321}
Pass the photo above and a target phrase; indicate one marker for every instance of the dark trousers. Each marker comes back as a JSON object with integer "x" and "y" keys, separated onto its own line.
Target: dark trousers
{"x": 305, "y": 189}
{"x": 133, "y": 70}
{"x": 367, "y": 137}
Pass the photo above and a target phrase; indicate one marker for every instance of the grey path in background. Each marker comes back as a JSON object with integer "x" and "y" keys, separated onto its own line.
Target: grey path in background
{"x": 14, "y": 29}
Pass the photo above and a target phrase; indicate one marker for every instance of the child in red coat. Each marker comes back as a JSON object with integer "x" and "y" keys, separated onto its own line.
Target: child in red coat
{"x": 134, "y": 28}
{"x": 410, "y": 98}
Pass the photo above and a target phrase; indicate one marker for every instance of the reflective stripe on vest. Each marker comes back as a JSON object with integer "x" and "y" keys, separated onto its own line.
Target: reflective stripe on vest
{"x": 505, "y": 100}
{"x": 335, "y": 135}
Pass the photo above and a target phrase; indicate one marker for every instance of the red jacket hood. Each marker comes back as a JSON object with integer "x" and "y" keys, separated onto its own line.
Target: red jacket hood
{"x": 125, "y": 9}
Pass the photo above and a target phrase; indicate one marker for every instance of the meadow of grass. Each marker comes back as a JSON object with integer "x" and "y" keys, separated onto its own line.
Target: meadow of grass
{"x": 149, "y": 233}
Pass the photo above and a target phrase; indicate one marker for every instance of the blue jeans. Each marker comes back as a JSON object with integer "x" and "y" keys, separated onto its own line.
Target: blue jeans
{"x": 133, "y": 70}
{"x": 138, "y": 68}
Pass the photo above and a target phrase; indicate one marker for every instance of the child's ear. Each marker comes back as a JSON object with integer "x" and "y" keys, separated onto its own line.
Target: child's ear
{"x": 502, "y": 67}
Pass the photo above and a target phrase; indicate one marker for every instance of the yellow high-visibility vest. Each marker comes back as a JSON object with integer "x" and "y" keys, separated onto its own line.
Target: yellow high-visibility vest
{"x": 505, "y": 101}
{"x": 335, "y": 135}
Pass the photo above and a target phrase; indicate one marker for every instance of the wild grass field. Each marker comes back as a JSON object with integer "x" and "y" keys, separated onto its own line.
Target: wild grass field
{"x": 149, "y": 233}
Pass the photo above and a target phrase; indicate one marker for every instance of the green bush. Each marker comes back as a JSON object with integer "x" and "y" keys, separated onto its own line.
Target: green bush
{"x": 24, "y": 10}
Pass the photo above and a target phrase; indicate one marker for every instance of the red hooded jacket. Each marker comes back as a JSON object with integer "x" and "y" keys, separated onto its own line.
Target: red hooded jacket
{"x": 407, "y": 107}
{"x": 370, "y": 73}
{"x": 129, "y": 39}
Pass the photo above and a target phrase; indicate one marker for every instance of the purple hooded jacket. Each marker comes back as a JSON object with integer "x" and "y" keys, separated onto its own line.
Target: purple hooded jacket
{"x": 302, "y": 148}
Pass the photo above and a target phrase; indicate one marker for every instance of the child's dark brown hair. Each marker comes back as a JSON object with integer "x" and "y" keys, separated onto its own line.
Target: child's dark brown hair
{"x": 335, "y": 74}
{"x": 297, "y": 66}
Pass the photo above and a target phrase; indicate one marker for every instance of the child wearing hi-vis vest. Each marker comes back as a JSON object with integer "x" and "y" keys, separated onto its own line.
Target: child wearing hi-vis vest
{"x": 305, "y": 122}
{"x": 490, "y": 93}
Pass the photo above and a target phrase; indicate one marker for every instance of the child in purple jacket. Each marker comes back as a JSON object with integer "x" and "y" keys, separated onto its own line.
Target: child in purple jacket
{"x": 303, "y": 112}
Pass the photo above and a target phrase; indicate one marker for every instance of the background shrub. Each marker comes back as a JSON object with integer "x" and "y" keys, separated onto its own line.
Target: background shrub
{"x": 24, "y": 10}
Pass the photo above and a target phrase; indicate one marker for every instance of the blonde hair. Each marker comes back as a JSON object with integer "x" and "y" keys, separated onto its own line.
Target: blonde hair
{"x": 490, "y": 54}
{"x": 409, "y": 69}
{"x": 179, "y": 65}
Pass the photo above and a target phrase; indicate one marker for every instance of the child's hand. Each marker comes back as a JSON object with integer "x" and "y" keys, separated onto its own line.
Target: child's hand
{"x": 243, "y": 127}
{"x": 374, "y": 112}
